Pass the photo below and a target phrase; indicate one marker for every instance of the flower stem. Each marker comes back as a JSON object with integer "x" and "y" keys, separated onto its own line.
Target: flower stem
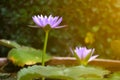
{"x": 45, "y": 46}
{"x": 44, "y": 49}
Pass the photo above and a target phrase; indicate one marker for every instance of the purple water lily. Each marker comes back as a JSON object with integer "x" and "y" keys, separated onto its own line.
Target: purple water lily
{"x": 84, "y": 55}
{"x": 43, "y": 21}
{"x": 47, "y": 23}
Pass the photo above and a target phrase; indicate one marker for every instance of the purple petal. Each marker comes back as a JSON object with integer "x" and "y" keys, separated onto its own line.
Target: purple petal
{"x": 60, "y": 26}
{"x": 53, "y": 21}
{"x": 92, "y": 58}
{"x": 39, "y": 17}
{"x": 50, "y": 18}
{"x": 86, "y": 52}
{"x": 78, "y": 51}
{"x": 45, "y": 21}
{"x": 42, "y": 21}
{"x": 57, "y": 23}
{"x": 81, "y": 52}
{"x": 36, "y": 20}
{"x": 72, "y": 51}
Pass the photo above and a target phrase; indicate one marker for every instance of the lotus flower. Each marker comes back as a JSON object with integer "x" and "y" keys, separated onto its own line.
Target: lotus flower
{"x": 43, "y": 21}
{"x": 84, "y": 55}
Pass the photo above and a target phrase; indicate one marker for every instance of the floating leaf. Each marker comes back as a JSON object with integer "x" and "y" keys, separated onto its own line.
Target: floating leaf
{"x": 26, "y": 56}
{"x": 86, "y": 72}
{"x": 71, "y": 73}
{"x": 35, "y": 71}
{"x": 115, "y": 76}
{"x": 8, "y": 43}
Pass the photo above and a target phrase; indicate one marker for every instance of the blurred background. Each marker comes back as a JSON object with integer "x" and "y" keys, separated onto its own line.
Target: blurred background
{"x": 90, "y": 23}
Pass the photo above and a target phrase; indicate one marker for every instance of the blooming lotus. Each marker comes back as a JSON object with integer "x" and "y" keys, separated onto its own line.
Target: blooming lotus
{"x": 84, "y": 55}
{"x": 44, "y": 21}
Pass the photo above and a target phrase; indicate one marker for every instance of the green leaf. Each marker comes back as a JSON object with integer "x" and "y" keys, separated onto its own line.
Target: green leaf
{"x": 91, "y": 79}
{"x": 39, "y": 71}
{"x": 71, "y": 73}
{"x": 85, "y": 61}
{"x": 26, "y": 56}
{"x": 115, "y": 76}
{"x": 86, "y": 72}
{"x": 8, "y": 43}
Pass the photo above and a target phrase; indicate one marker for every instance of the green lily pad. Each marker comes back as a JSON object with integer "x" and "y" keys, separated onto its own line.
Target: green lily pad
{"x": 26, "y": 56}
{"x": 115, "y": 76}
{"x": 86, "y": 72}
{"x": 8, "y": 43}
{"x": 62, "y": 73}
{"x": 36, "y": 71}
